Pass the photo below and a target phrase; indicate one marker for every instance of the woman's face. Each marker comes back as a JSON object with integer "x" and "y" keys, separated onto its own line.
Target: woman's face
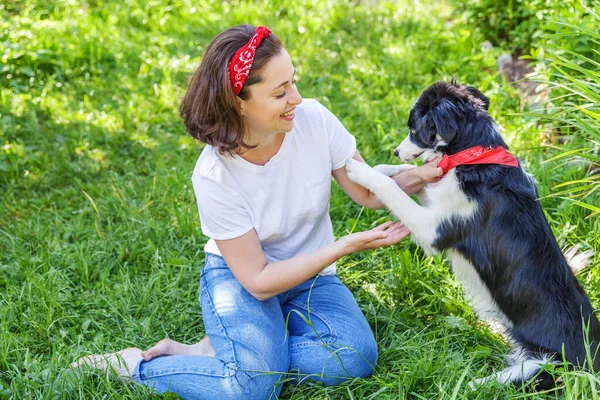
{"x": 270, "y": 106}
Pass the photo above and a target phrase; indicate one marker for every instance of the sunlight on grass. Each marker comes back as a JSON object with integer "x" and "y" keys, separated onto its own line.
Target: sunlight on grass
{"x": 100, "y": 246}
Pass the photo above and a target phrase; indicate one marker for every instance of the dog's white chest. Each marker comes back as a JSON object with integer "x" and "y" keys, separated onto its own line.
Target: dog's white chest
{"x": 446, "y": 198}
{"x": 443, "y": 201}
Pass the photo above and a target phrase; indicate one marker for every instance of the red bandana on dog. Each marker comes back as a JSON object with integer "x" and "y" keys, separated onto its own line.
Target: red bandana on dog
{"x": 478, "y": 155}
{"x": 241, "y": 63}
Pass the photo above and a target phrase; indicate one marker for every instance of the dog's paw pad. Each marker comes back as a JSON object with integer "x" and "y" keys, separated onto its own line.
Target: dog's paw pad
{"x": 358, "y": 172}
{"x": 479, "y": 382}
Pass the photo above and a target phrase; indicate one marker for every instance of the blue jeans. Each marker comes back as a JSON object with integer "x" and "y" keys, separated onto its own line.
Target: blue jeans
{"x": 315, "y": 331}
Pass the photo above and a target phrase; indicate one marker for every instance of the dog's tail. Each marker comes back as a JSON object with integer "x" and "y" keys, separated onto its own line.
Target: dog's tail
{"x": 578, "y": 261}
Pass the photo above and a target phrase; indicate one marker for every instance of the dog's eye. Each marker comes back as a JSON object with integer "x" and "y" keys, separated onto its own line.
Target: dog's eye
{"x": 432, "y": 138}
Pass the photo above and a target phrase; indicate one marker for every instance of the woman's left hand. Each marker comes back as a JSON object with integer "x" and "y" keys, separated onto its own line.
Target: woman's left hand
{"x": 386, "y": 234}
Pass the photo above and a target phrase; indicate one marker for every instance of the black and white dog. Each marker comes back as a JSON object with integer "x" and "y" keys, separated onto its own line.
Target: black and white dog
{"x": 488, "y": 219}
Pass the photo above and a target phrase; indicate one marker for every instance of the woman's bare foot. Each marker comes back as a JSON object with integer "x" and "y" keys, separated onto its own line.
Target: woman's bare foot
{"x": 169, "y": 347}
{"x": 123, "y": 362}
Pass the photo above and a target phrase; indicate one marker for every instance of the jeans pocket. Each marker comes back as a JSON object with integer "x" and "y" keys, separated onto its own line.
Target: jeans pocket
{"x": 214, "y": 263}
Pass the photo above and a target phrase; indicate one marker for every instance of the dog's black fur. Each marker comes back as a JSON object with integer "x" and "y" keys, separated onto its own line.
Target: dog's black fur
{"x": 508, "y": 241}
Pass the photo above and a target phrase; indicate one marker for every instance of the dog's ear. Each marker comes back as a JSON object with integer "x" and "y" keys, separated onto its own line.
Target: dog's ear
{"x": 445, "y": 117}
{"x": 476, "y": 93}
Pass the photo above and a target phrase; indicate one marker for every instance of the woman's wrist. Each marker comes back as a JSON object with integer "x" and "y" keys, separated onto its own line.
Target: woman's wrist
{"x": 341, "y": 247}
{"x": 413, "y": 180}
{"x": 416, "y": 178}
{"x": 410, "y": 181}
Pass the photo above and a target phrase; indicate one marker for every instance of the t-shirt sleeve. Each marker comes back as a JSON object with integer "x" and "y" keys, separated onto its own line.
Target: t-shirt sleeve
{"x": 223, "y": 214}
{"x": 342, "y": 144}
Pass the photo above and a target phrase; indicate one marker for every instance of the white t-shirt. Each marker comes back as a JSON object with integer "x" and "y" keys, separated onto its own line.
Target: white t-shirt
{"x": 287, "y": 200}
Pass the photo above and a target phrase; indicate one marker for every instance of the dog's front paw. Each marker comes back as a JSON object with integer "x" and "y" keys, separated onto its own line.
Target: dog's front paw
{"x": 393, "y": 170}
{"x": 476, "y": 383}
{"x": 364, "y": 175}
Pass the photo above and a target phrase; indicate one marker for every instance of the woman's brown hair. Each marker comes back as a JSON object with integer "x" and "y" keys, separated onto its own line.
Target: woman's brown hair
{"x": 210, "y": 109}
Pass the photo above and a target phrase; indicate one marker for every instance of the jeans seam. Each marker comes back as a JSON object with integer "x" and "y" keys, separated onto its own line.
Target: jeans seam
{"x": 169, "y": 372}
{"x": 309, "y": 344}
{"x": 221, "y": 325}
{"x": 209, "y": 256}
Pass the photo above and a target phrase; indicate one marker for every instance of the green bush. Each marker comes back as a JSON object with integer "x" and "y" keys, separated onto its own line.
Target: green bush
{"x": 573, "y": 76}
{"x": 515, "y": 24}
{"x": 563, "y": 36}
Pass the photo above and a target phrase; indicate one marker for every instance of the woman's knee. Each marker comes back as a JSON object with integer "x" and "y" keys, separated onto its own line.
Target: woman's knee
{"x": 369, "y": 353}
{"x": 260, "y": 385}
{"x": 240, "y": 385}
{"x": 357, "y": 360}
{"x": 344, "y": 362}
{"x": 261, "y": 375}
{"x": 362, "y": 348}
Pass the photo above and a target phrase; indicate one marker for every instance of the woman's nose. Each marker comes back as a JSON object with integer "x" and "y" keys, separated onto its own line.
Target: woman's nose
{"x": 295, "y": 98}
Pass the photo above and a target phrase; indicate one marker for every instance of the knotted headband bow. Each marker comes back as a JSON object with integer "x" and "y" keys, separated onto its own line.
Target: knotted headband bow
{"x": 241, "y": 63}
{"x": 478, "y": 155}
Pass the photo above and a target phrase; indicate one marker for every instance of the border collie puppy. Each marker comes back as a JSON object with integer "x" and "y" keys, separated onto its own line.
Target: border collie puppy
{"x": 485, "y": 213}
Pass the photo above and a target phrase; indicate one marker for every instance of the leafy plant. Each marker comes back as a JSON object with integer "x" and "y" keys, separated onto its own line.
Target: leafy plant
{"x": 574, "y": 110}
{"x": 514, "y": 25}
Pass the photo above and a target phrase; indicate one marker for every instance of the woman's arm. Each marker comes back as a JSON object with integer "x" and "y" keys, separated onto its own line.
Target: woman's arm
{"x": 263, "y": 280}
{"x": 411, "y": 181}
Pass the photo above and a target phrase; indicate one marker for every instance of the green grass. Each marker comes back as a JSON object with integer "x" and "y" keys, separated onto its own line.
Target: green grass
{"x": 100, "y": 244}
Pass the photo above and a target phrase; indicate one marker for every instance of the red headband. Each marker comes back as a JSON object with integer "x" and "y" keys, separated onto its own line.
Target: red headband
{"x": 240, "y": 64}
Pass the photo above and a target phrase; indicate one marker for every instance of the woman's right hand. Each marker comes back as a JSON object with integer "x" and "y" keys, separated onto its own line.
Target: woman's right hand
{"x": 386, "y": 234}
{"x": 429, "y": 172}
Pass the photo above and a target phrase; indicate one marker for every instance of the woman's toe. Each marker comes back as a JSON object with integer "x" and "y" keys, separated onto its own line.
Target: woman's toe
{"x": 159, "y": 349}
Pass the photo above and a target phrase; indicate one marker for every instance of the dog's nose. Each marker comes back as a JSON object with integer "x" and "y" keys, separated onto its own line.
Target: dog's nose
{"x": 396, "y": 152}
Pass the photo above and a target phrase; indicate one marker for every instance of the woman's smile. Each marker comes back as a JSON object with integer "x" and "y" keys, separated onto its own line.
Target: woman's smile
{"x": 288, "y": 116}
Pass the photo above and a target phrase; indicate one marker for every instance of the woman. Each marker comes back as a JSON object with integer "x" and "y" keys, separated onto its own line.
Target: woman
{"x": 271, "y": 301}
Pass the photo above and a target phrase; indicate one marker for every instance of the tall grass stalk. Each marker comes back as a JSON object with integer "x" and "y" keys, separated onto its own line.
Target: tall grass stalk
{"x": 100, "y": 244}
{"x": 574, "y": 80}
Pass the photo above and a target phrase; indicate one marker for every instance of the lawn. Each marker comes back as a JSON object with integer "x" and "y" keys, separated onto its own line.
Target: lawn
{"x": 100, "y": 243}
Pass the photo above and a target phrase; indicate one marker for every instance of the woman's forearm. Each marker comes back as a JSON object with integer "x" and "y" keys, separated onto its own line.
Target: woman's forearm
{"x": 277, "y": 277}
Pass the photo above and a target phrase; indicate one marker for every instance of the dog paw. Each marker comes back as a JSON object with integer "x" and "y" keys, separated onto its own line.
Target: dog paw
{"x": 476, "y": 383}
{"x": 392, "y": 170}
{"x": 362, "y": 174}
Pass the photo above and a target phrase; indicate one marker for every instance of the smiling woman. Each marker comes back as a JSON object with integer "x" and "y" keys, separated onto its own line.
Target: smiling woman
{"x": 269, "y": 113}
{"x": 262, "y": 185}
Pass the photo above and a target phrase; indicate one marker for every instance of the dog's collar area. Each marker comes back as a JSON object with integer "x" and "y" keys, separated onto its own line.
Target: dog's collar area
{"x": 478, "y": 155}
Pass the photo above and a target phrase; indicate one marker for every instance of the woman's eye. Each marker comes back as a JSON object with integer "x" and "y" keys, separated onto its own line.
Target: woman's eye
{"x": 280, "y": 96}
